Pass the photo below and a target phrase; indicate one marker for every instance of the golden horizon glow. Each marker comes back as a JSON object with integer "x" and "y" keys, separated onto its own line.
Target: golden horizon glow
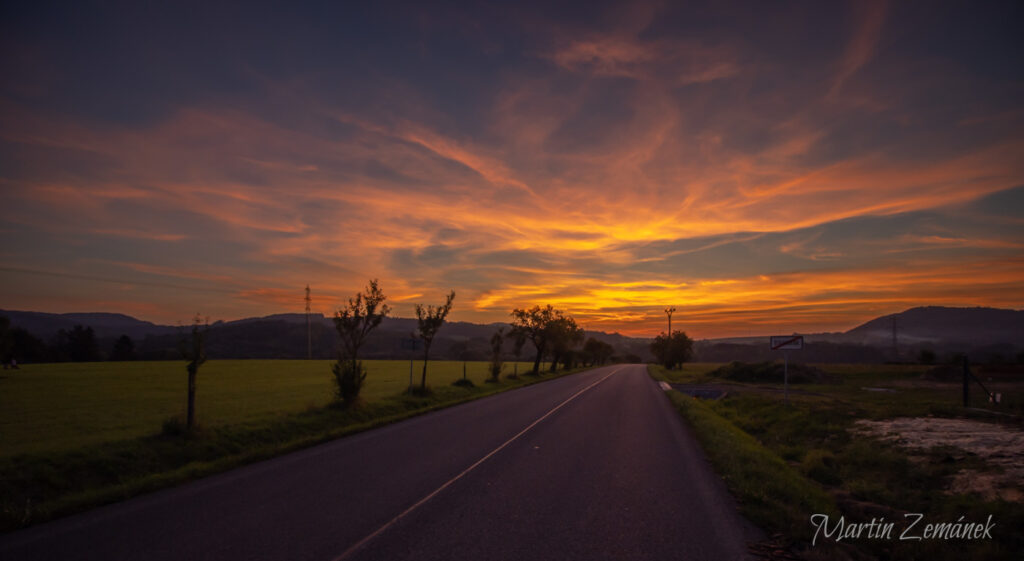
{"x": 610, "y": 168}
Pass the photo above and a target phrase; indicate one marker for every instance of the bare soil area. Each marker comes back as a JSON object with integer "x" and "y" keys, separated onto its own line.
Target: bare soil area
{"x": 1001, "y": 448}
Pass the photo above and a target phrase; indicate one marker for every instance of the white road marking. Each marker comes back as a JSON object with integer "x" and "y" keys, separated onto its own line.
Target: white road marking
{"x": 665, "y": 386}
{"x": 448, "y": 483}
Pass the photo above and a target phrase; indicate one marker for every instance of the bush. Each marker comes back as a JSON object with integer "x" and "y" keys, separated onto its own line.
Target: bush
{"x": 348, "y": 379}
{"x": 176, "y": 426}
{"x": 926, "y": 356}
{"x": 820, "y": 465}
{"x": 463, "y": 383}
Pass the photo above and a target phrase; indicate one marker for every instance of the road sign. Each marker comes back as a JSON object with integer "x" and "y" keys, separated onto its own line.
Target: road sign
{"x": 787, "y": 342}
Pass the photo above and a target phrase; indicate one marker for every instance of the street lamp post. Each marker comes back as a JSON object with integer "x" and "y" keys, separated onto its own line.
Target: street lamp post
{"x": 669, "y": 312}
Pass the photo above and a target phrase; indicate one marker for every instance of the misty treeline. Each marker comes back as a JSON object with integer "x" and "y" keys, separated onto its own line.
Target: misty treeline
{"x": 78, "y": 344}
{"x": 268, "y": 338}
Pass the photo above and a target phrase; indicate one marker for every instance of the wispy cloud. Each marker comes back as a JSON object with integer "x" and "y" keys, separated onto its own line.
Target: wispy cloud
{"x": 868, "y": 21}
{"x": 649, "y": 154}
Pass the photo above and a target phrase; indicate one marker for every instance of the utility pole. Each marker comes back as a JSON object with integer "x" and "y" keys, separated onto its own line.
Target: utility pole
{"x": 309, "y": 328}
{"x": 669, "y": 311}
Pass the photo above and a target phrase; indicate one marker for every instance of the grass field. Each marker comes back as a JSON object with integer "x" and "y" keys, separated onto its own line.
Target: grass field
{"x": 76, "y": 436}
{"x": 59, "y": 407}
{"x": 815, "y": 439}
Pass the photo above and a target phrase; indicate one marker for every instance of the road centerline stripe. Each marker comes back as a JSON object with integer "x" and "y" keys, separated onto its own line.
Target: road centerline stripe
{"x": 448, "y": 483}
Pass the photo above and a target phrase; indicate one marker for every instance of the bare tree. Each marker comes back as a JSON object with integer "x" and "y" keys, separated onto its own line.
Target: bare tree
{"x": 354, "y": 322}
{"x": 430, "y": 319}
{"x": 497, "y": 341}
{"x": 194, "y": 351}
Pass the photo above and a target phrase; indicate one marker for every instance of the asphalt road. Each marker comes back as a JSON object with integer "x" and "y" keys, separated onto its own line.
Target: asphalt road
{"x": 595, "y": 465}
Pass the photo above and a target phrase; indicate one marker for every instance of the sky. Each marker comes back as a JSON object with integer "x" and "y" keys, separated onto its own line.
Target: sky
{"x": 762, "y": 167}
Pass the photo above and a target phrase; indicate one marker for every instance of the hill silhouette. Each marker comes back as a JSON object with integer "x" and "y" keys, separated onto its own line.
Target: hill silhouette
{"x": 981, "y": 332}
{"x": 941, "y": 325}
{"x": 283, "y": 336}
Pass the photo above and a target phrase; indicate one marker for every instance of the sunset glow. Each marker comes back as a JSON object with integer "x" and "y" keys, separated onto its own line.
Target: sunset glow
{"x": 767, "y": 169}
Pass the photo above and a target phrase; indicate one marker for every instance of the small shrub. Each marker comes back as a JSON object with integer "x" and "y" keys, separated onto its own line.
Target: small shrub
{"x": 348, "y": 379}
{"x": 464, "y": 383}
{"x": 820, "y": 465}
{"x": 176, "y": 426}
{"x": 420, "y": 391}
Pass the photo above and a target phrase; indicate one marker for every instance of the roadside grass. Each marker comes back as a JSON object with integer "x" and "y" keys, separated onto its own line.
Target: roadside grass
{"x": 866, "y": 477}
{"x": 41, "y": 485}
{"x": 771, "y": 494}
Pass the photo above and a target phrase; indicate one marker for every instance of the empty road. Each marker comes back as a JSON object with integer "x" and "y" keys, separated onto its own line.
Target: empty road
{"x": 595, "y": 465}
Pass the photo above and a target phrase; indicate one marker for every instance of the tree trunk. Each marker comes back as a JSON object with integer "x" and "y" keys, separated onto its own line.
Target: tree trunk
{"x": 190, "y": 421}
{"x": 426, "y": 356}
{"x": 536, "y": 362}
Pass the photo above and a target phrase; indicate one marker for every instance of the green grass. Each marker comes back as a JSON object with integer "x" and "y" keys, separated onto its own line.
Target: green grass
{"x": 99, "y": 444}
{"x": 866, "y": 477}
{"x": 60, "y": 407}
{"x": 771, "y": 493}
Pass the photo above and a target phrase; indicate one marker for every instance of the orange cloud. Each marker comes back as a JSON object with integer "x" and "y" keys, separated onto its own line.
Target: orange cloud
{"x": 625, "y": 140}
{"x": 799, "y": 301}
{"x": 869, "y": 17}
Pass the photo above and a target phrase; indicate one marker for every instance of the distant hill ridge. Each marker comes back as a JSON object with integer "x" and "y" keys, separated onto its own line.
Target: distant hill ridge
{"x": 926, "y": 323}
{"x": 283, "y": 335}
{"x": 948, "y": 327}
{"x": 943, "y": 324}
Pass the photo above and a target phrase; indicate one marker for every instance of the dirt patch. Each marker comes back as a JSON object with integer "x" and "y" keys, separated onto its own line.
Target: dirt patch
{"x": 999, "y": 447}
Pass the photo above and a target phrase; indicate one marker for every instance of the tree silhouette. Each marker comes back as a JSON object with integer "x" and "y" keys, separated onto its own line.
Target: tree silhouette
{"x": 124, "y": 349}
{"x": 194, "y": 351}
{"x": 78, "y": 345}
{"x": 6, "y": 341}
{"x": 672, "y": 351}
{"x": 532, "y": 325}
{"x": 497, "y": 341}
{"x": 562, "y": 335}
{"x": 597, "y": 352}
{"x": 362, "y": 315}
{"x": 429, "y": 319}
{"x": 518, "y": 342}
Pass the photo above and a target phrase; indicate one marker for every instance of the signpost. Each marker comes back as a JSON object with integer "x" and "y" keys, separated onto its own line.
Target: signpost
{"x": 786, "y": 343}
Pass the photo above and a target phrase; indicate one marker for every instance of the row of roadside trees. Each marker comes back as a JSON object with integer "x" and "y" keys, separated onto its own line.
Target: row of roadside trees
{"x": 551, "y": 332}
